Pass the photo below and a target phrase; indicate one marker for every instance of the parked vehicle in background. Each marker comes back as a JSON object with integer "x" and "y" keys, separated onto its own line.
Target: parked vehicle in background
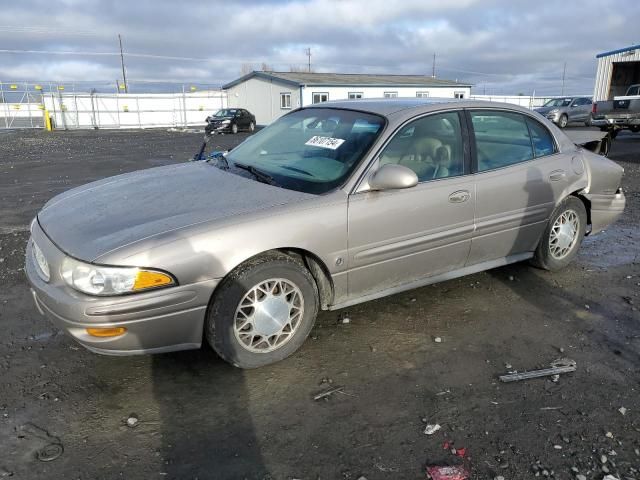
{"x": 622, "y": 112}
{"x": 230, "y": 120}
{"x": 331, "y": 205}
{"x": 562, "y": 111}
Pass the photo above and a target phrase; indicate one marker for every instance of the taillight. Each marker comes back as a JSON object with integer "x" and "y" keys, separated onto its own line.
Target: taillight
{"x": 594, "y": 107}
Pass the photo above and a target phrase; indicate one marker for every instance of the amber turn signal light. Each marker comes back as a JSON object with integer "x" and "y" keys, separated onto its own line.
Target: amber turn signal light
{"x": 106, "y": 332}
{"x": 149, "y": 279}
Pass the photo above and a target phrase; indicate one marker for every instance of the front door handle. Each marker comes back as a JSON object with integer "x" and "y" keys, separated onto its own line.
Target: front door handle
{"x": 557, "y": 175}
{"x": 460, "y": 196}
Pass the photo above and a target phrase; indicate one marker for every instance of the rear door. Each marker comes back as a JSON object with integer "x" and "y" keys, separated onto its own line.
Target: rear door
{"x": 520, "y": 176}
{"x": 580, "y": 109}
{"x": 401, "y": 236}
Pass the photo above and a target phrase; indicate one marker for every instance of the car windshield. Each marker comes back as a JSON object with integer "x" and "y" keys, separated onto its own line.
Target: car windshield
{"x": 225, "y": 112}
{"x": 311, "y": 150}
{"x": 558, "y": 102}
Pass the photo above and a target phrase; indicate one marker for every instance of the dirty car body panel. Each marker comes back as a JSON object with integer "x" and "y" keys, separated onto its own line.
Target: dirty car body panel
{"x": 196, "y": 223}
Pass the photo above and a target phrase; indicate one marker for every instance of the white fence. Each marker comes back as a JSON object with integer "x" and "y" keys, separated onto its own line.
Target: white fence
{"x": 122, "y": 110}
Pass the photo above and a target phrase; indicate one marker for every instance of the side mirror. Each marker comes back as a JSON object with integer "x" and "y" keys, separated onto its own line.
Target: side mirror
{"x": 392, "y": 177}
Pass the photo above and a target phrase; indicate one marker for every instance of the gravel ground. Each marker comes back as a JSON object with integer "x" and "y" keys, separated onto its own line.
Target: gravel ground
{"x": 193, "y": 416}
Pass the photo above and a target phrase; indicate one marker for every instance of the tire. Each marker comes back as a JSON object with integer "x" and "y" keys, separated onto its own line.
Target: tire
{"x": 614, "y": 133}
{"x": 605, "y": 146}
{"x": 634, "y": 129}
{"x": 234, "y": 128}
{"x": 288, "y": 285}
{"x": 549, "y": 254}
{"x": 588, "y": 122}
{"x": 252, "y": 127}
{"x": 564, "y": 120}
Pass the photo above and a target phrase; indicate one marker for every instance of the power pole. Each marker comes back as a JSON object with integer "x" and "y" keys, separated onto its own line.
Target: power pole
{"x": 564, "y": 71}
{"x": 308, "y": 54}
{"x": 433, "y": 70}
{"x": 124, "y": 74}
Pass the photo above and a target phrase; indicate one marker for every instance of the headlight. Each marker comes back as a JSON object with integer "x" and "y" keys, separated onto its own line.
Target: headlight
{"x": 99, "y": 280}
{"x": 555, "y": 110}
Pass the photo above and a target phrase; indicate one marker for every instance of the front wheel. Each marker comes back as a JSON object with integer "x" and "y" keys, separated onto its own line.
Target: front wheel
{"x": 562, "y": 237}
{"x": 234, "y": 128}
{"x": 263, "y": 311}
{"x": 564, "y": 120}
{"x": 252, "y": 127}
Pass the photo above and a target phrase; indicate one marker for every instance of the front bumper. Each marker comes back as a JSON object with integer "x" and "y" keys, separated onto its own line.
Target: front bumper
{"x": 605, "y": 209}
{"x": 213, "y": 128}
{"x": 156, "y": 321}
{"x": 554, "y": 117}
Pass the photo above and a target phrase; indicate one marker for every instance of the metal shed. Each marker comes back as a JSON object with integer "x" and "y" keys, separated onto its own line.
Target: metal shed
{"x": 617, "y": 70}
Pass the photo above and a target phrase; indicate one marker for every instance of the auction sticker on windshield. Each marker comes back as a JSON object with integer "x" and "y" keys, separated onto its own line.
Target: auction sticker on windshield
{"x": 325, "y": 142}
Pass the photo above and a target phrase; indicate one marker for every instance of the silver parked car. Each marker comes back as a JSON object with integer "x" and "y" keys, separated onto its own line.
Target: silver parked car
{"x": 562, "y": 111}
{"x": 332, "y": 205}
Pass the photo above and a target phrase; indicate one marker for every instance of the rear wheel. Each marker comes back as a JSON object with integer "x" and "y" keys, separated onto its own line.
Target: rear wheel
{"x": 564, "y": 120}
{"x": 263, "y": 311}
{"x": 562, "y": 238}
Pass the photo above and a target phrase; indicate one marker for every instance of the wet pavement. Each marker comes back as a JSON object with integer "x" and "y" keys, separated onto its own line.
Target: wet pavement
{"x": 197, "y": 417}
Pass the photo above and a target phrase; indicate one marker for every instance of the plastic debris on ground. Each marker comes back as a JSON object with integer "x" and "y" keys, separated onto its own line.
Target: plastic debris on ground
{"x": 447, "y": 473}
{"x": 430, "y": 429}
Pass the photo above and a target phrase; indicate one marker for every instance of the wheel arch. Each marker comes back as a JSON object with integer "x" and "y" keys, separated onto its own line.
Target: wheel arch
{"x": 312, "y": 262}
{"x": 587, "y": 206}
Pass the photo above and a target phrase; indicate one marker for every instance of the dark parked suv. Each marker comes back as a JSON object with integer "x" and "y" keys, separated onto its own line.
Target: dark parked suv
{"x": 230, "y": 120}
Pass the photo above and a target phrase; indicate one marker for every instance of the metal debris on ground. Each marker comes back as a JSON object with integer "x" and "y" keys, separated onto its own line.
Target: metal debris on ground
{"x": 447, "y": 473}
{"x": 561, "y": 365}
{"x": 431, "y": 428}
{"x": 47, "y": 447}
{"x": 328, "y": 393}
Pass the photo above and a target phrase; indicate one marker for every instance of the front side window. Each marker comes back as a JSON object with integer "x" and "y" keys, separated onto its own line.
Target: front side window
{"x": 355, "y": 95}
{"x": 390, "y": 94}
{"x": 285, "y": 100}
{"x": 320, "y": 97}
{"x": 430, "y": 146}
{"x": 313, "y": 150}
{"x": 502, "y": 139}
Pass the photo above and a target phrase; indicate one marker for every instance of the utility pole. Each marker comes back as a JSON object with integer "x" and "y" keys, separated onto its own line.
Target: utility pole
{"x": 433, "y": 70}
{"x": 564, "y": 71}
{"x": 308, "y": 54}
{"x": 124, "y": 74}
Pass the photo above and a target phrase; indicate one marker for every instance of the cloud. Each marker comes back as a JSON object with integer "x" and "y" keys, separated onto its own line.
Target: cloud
{"x": 501, "y": 46}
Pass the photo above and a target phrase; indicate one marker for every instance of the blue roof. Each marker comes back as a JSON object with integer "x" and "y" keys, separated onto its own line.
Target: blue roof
{"x": 620, "y": 50}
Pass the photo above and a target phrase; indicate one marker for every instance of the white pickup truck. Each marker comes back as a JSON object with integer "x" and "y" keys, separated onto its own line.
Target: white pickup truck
{"x": 623, "y": 112}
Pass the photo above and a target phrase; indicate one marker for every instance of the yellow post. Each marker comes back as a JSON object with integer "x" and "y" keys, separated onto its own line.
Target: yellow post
{"x": 47, "y": 121}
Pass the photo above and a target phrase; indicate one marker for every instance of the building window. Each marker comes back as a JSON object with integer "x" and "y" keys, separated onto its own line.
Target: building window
{"x": 390, "y": 94}
{"x": 285, "y": 100}
{"x": 320, "y": 97}
{"x": 458, "y": 94}
{"x": 355, "y": 95}
{"x": 422, "y": 94}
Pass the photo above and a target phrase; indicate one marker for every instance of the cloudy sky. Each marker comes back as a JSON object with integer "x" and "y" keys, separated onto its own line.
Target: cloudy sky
{"x": 501, "y": 46}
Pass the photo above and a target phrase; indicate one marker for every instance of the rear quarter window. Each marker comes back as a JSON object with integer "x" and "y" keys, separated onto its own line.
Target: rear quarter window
{"x": 543, "y": 143}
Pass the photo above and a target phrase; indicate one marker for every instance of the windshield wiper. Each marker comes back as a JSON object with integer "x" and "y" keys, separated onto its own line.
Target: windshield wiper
{"x": 258, "y": 174}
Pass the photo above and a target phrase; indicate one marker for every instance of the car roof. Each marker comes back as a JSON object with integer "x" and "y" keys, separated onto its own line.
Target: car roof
{"x": 397, "y": 106}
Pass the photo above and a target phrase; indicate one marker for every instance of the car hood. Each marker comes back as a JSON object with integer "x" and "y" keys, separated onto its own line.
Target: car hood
{"x": 544, "y": 110}
{"x": 89, "y": 221}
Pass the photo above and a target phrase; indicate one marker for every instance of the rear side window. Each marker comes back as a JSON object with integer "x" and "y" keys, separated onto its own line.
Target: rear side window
{"x": 543, "y": 143}
{"x": 502, "y": 139}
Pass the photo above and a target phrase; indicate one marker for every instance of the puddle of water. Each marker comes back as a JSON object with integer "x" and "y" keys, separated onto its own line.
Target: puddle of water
{"x": 619, "y": 245}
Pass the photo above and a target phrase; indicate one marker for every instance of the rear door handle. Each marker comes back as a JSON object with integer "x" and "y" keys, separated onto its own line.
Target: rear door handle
{"x": 557, "y": 175}
{"x": 460, "y": 196}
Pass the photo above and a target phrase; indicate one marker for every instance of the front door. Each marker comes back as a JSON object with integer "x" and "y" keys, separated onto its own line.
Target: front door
{"x": 401, "y": 236}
